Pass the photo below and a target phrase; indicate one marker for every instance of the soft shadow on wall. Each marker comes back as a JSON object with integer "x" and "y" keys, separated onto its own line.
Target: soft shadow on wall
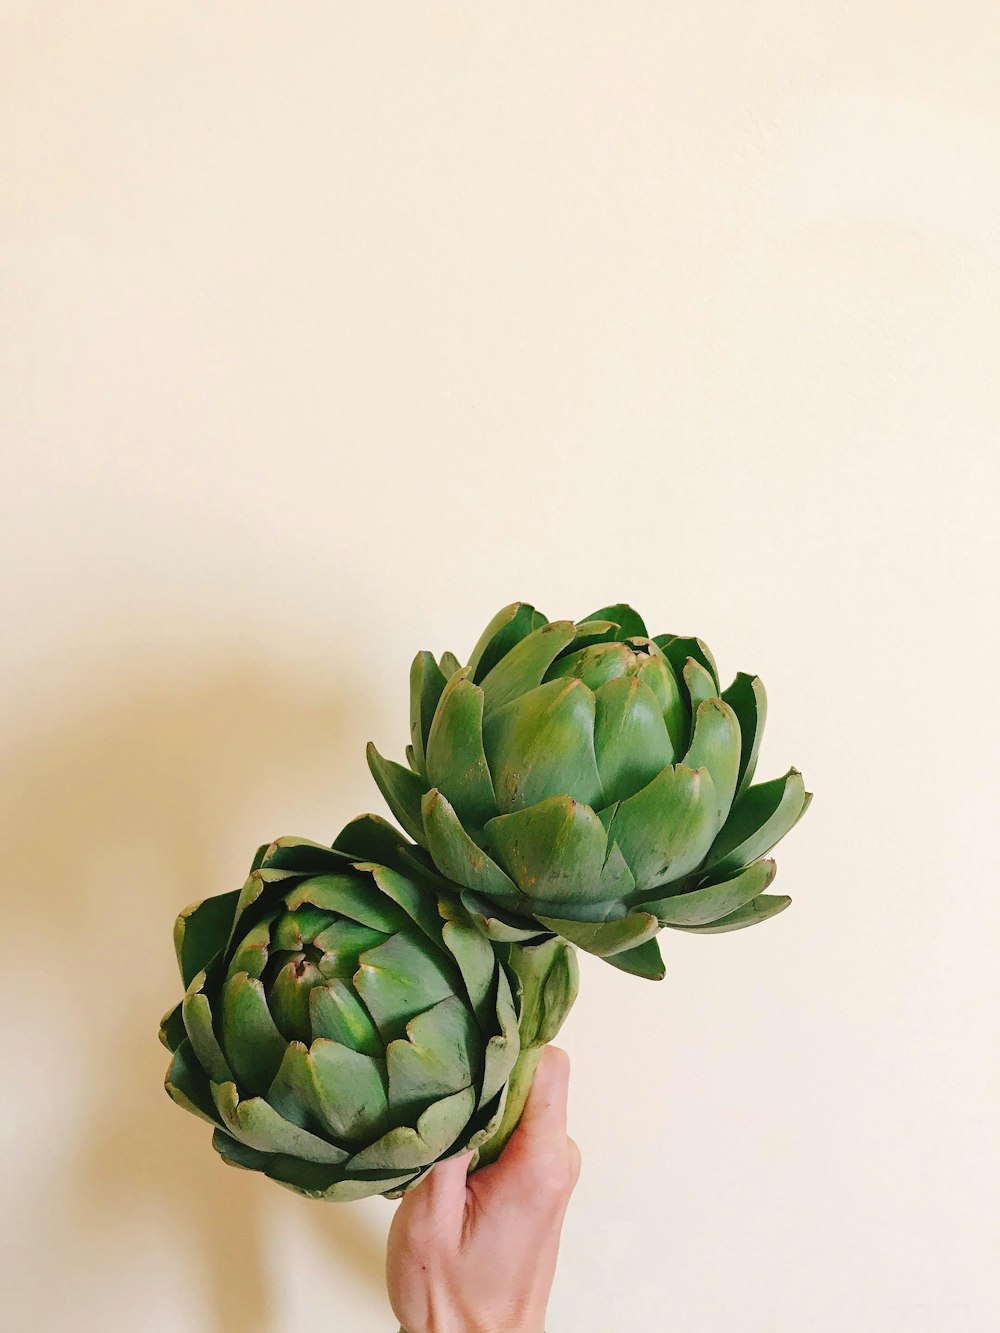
{"x": 116, "y": 810}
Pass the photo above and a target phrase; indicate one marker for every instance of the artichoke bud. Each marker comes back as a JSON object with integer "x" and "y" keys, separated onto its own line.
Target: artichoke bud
{"x": 340, "y": 1031}
{"x": 549, "y": 979}
{"x": 581, "y": 773}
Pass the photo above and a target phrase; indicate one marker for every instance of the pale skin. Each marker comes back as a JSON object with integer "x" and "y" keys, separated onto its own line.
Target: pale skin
{"x": 477, "y": 1254}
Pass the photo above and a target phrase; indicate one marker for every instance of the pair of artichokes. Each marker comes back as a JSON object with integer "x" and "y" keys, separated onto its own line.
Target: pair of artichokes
{"x": 356, "y": 1012}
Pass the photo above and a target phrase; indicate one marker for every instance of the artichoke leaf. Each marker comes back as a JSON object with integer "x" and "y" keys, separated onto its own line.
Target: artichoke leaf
{"x": 524, "y": 666}
{"x": 336, "y": 1012}
{"x": 458, "y": 857}
{"x": 747, "y": 698}
{"x": 476, "y": 962}
{"x": 715, "y": 745}
{"x": 759, "y": 819}
{"x": 371, "y": 838}
{"x": 659, "y": 675}
{"x": 677, "y": 648}
{"x": 456, "y": 761}
{"x": 605, "y": 938}
{"x": 258, "y": 1125}
{"x": 631, "y": 740}
{"x": 594, "y": 665}
{"x": 503, "y": 1047}
{"x": 253, "y": 1046}
{"x": 439, "y": 1055}
{"x": 400, "y": 978}
{"x": 436, "y": 1130}
{"x": 329, "y": 1183}
{"x": 758, "y": 909}
{"x": 645, "y": 960}
{"x": 629, "y": 621}
{"x": 188, "y": 1084}
{"x": 349, "y": 1089}
{"x": 419, "y": 906}
{"x": 542, "y": 744}
{"x": 427, "y": 682}
{"x": 665, "y": 830}
{"x": 508, "y": 627}
{"x": 201, "y": 931}
{"x": 198, "y": 1024}
{"x": 172, "y": 1029}
{"x": 402, "y": 790}
{"x": 500, "y": 926}
{"x": 700, "y": 684}
{"x": 700, "y": 907}
{"x": 554, "y": 850}
{"x": 348, "y": 896}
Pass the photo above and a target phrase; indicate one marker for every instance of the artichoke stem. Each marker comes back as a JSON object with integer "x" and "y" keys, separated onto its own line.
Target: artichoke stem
{"x": 547, "y": 978}
{"x": 518, "y": 1087}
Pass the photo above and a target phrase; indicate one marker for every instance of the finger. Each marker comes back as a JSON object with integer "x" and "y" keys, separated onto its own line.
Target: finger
{"x": 543, "y": 1121}
{"x": 575, "y": 1162}
{"x": 441, "y": 1193}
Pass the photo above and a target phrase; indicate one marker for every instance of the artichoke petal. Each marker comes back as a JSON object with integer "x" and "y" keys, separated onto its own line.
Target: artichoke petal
{"x": 197, "y": 1014}
{"x": 258, "y": 1125}
{"x": 713, "y": 901}
{"x": 188, "y": 1084}
{"x": 645, "y": 960}
{"x": 542, "y": 744}
{"x": 476, "y": 962}
{"x": 666, "y": 829}
{"x": 402, "y": 977}
{"x": 172, "y": 1029}
{"x": 700, "y": 684}
{"x": 503, "y": 1047}
{"x": 201, "y": 931}
{"x": 439, "y": 1055}
{"x": 759, "y": 819}
{"x": 371, "y": 838}
{"x": 437, "y": 1129}
{"x": 349, "y": 896}
{"x": 715, "y": 745}
{"x": 554, "y": 850}
{"x": 758, "y": 909}
{"x": 507, "y": 628}
{"x": 253, "y": 1046}
{"x": 605, "y": 938}
{"x": 427, "y": 682}
{"x": 629, "y": 621}
{"x": 677, "y": 649}
{"x": 658, "y": 674}
{"x": 497, "y": 925}
{"x": 525, "y": 665}
{"x": 631, "y": 740}
{"x": 595, "y": 665}
{"x": 456, "y": 761}
{"x": 458, "y": 857}
{"x": 336, "y": 1012}
{"x": 747, "y": 698}
{"x": 350, "y": 1090}
{"x": 402, "y": 790}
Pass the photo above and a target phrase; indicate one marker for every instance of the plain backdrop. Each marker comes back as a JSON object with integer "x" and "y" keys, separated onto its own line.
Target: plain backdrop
{"x": 329, "y": 328}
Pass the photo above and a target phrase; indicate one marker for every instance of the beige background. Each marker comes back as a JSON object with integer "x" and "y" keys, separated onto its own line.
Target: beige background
{"x": 329, "y": 328}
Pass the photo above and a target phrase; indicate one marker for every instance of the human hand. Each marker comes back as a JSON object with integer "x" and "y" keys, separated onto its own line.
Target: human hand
{"x": 477, "y": 1254}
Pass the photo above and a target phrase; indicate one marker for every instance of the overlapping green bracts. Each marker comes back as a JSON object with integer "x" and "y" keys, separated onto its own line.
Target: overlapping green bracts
{"x": 592, "y": 782}
{"x": 345, "y": 1025}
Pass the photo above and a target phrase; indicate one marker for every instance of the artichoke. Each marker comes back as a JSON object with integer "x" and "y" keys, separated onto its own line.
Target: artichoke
{"x": 346, "y": 1024}
{"x": 590, "y": 782}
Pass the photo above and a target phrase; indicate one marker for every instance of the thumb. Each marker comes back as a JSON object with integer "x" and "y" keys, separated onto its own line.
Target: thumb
{"x": 543, "y": 1121}
{"x": 441, "y": 1193}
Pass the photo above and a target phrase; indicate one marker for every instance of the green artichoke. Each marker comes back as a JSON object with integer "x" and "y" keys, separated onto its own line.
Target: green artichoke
{"x": 345, "y": 1023}
{"x": 590, "y": 782}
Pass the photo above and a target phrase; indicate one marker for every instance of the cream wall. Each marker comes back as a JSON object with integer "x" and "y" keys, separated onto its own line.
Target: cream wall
{"x": 328, "y": 328}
